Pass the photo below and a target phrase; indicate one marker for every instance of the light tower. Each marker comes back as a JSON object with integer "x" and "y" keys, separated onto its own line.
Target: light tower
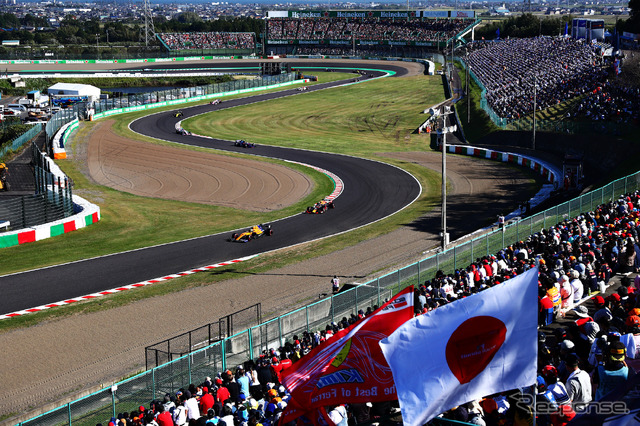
{"x": 149, "y": 29}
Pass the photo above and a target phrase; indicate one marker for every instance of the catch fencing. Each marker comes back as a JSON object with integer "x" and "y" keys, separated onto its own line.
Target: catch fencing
{"x": 51, "y": 201}
{"x": 127, "y": 395}
{"x": 18, "y": 142}
{"x": 161, "y": 96}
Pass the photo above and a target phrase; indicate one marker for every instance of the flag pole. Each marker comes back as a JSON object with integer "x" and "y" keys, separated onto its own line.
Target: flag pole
{"x": 535, "y": 395}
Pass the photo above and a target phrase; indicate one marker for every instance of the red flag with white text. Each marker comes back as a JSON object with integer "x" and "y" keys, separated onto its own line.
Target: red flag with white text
{"x": 349, "y": 367}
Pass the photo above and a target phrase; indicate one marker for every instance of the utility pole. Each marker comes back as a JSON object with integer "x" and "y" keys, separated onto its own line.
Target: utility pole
{"x": 446, "y": 110}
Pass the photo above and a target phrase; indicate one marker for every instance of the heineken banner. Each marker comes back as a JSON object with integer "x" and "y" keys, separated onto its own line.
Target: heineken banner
{"x": 357, "y": 42}
{"x": 362, "y": 14}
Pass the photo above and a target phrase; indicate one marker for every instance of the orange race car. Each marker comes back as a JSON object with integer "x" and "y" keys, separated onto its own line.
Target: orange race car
{"x": 254, "y": 232}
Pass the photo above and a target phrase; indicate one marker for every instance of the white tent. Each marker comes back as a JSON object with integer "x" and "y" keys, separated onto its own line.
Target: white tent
{"x": 75, "y": 90}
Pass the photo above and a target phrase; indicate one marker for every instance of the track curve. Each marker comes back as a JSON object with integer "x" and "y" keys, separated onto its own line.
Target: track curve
{"x": 372, "y": 191}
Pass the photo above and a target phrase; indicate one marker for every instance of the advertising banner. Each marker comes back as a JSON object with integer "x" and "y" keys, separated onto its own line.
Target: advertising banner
{"x": 463, "y": 14}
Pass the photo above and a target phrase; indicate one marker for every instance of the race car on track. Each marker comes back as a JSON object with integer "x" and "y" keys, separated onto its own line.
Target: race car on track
{"x": 244, "y": 144}
{"x": 214, "y": 102}
{"x": 321, "y": 206}
{"x": 181, "y": 131}
{"x": 252, "y": 233}
{"x": 302, "y": 89}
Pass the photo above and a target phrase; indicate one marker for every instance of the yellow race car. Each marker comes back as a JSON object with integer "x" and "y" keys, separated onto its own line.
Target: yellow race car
{"x": 254, "y": 232}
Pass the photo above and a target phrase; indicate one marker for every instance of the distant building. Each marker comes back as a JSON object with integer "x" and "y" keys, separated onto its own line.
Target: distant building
{"x": 501, "y": 10}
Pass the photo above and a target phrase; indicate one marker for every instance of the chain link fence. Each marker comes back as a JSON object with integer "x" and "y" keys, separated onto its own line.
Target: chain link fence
{"x": 177, "y": 346}
{"x": 18, "y": 142}
{"x": 52, "y": 200}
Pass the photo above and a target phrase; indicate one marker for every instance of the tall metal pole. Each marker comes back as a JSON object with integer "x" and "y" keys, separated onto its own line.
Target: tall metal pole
{"x": 451, "y": 65}
{"x": 468, "y": 94}
{"x": 444, "y": 181}
{"x": 535, "y": 87}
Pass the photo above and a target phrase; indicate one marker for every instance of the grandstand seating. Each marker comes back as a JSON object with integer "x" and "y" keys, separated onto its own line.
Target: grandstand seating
{"x": 208, "y": 40}
{"x": 363, "y": 29}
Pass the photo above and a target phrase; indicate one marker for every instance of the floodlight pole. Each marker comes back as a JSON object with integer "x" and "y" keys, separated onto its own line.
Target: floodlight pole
{"x": 468, "y": 93}
{"x": 444, "y": 181}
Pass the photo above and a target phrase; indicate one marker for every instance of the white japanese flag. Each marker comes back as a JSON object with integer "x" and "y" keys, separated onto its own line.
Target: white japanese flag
{"x": 476, "y": 346}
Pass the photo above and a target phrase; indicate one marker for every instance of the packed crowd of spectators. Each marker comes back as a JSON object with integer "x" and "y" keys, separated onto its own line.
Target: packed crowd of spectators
{"x": 360, "y": 50}
{"x": 610, "y": 101}
{"x": 364, "y": 29}
{"x": 562, "y": 68}
{"x": 209, "y": 40}
{"x": 595, "y": 349}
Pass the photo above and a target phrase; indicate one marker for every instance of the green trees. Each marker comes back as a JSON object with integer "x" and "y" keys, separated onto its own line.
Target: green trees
{"x": 525, "y": 25}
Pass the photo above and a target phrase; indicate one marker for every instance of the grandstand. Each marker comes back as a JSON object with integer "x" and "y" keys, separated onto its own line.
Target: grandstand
{"x": 208, "y": 43}
{"x": 366, "y": 33}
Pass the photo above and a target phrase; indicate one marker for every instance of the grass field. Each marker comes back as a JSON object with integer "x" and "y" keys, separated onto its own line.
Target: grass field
{"x": 361, "y": 119}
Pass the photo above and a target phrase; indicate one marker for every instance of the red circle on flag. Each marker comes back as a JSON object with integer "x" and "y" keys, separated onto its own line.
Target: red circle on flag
{"x": 472, "y": 346}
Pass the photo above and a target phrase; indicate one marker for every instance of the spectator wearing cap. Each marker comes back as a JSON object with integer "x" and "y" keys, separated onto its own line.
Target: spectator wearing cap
{"x": 554, "y": 294}
{"x": 578, "y": 287}
{"x": 578, "y": 384}
{"x": 631, "y": 340}
{"x": 276, "y": 368}
{"x": 164, "y": 417}
{"x": 222, "y": 393}
{"x": 566, "y": 348}
{"x": 265, "y": 375}
{"x": 556, "y": 388}
{"x": 602, "y": 311}
{"x": 206, "y": 400}
{"x": 232, "y": 386}
{"x": 243, "y": 380}
{"x": 566, "y": 295}
{"x": 613, "y": 373}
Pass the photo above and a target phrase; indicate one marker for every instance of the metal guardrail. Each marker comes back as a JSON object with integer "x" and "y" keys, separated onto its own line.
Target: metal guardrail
{"x": 234, "y": 350}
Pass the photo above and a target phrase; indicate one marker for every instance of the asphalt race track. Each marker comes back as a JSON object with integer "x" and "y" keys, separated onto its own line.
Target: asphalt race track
{"x": 372, "y": 191}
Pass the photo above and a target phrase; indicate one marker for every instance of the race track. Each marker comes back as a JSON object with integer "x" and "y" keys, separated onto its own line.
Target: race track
{"x": 372, "y": 191}
{"x": 82, "y": 353}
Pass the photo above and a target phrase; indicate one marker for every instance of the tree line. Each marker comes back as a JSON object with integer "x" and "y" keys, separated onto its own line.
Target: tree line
{"x": 92, "y": 31}
{"x": 73, "y": 31}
